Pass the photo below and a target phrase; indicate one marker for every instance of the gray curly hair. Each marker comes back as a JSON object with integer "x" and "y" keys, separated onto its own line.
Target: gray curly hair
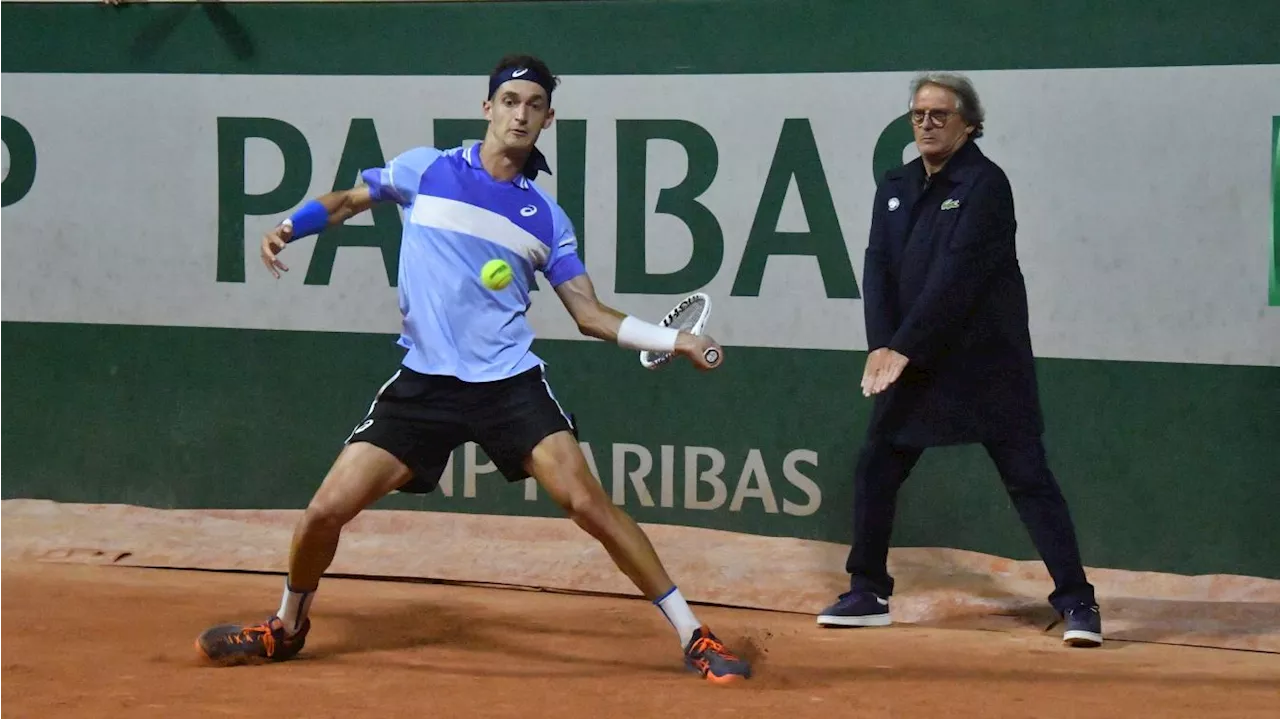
{"x": 967, "y": 101}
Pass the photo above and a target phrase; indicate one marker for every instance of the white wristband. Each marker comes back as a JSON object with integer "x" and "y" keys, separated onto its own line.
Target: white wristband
{"x": 636, "y": 334}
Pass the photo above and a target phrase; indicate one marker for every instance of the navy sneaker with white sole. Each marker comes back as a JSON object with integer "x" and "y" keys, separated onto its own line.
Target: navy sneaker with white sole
{"x": 1084, "y": 626}
{"x": 856, "y": 609}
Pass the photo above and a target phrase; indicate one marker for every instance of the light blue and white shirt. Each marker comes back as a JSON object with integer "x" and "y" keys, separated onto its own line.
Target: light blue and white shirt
{"x": 456, "y": 218}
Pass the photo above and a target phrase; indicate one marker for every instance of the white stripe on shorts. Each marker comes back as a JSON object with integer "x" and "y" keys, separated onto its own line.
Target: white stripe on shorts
{"x": 543, "y": 373}
{"x": 364, "y": 423}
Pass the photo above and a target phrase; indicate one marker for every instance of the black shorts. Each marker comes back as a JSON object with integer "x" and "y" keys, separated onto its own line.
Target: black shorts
{"x": 422, "y": 418}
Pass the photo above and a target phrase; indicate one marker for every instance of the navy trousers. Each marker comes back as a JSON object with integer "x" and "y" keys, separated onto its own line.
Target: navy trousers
{"x": 884, "y": 467}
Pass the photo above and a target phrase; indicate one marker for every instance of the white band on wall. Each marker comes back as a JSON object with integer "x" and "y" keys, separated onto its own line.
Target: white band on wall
{"x": 636, "y": 334}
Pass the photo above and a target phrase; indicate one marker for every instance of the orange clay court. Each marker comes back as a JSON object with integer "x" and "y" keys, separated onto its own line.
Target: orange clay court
{"x": 107, "y": 641}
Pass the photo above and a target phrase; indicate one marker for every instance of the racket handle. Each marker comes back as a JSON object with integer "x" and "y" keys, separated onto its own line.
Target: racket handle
{"x": 712, "y": 356}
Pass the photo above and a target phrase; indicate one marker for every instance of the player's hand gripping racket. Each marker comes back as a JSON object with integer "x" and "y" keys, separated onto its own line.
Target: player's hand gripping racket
{"x": 690, "y": 315}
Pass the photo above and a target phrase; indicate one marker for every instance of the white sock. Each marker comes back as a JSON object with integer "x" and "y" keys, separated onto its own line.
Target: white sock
{"x": 677, "y": 611}
{"x": 293, "y": 608}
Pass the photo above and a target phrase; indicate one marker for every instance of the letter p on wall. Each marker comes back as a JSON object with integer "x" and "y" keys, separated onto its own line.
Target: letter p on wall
{"x": 234, "y": 201}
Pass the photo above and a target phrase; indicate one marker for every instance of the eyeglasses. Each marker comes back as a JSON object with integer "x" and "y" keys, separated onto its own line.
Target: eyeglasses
{"x": 939, "y": 117}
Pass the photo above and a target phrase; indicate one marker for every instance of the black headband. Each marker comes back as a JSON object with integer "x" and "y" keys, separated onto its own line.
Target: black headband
{"x": 519, "y": 73}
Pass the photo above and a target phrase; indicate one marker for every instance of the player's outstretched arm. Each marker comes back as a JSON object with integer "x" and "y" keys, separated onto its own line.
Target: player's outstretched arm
{"x": 596, "y": 319}
{"x": 331, "y": 208}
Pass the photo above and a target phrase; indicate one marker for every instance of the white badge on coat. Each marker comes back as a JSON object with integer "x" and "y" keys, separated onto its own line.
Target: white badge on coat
{"x": 893, "y": 204}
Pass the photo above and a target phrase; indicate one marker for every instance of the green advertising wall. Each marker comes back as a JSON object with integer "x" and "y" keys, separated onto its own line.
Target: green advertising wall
{"x": 1168, "y": 450}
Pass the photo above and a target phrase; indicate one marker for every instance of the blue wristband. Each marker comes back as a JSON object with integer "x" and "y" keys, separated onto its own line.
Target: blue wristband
{"x": 310, "y": 219}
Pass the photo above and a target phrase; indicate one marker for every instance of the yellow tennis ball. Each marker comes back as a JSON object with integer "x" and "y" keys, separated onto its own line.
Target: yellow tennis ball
{"x": 495, "y": 274}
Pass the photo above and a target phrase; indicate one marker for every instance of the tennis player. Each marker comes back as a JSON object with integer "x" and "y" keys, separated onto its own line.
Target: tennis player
{"x": 468, "y": 373}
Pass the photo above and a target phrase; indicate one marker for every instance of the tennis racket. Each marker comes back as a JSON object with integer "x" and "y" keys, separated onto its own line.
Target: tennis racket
{"x": 691, "y": 316}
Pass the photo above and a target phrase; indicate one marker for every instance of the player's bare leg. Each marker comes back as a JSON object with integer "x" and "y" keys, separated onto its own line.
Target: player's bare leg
{"x": 361, "y": 475}
{"x": 558, "y": 465}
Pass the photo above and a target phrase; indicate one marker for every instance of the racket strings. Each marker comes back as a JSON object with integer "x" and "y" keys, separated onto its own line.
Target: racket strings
{"x": 688, "y": 318}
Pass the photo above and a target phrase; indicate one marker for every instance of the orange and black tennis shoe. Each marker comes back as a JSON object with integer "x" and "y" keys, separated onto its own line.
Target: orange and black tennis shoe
{"x": 709, "y": 657}
{"x": 229, "y": 644}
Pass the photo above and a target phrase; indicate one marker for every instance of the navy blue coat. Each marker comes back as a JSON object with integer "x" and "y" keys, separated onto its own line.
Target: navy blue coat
{"x": 942, "y": 286}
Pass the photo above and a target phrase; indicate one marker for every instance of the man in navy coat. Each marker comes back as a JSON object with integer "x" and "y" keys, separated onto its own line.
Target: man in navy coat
{"x": 950, "y": 361}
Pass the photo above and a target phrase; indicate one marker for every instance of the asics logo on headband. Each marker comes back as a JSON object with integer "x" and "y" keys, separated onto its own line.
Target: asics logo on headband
{"x": 519, "y": 72}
